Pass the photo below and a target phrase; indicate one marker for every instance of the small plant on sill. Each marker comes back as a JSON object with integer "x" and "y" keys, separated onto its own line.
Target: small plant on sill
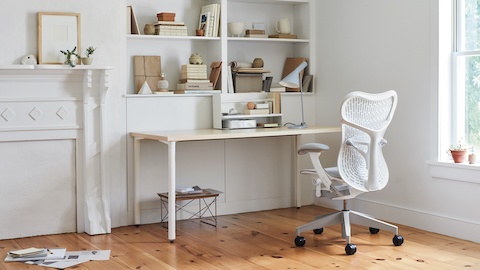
{"x": 458, "y": 151}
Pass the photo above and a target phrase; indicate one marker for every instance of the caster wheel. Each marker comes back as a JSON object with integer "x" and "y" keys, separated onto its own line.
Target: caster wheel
{"x": 398, "y": 240}
{"x": 299, "y": 241}
{"x": 350, "y": 249}
{"x": 318, "y": 231}
{"x": 374, "y": 230}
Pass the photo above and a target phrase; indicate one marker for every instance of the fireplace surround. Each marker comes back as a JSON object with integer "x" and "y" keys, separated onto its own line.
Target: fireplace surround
{"x": 45, "y": 110}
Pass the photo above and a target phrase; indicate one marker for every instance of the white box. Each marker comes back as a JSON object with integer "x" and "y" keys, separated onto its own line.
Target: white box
{"x": 239, "y": 123}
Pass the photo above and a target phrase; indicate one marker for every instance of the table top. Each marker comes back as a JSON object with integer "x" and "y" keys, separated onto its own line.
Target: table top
{"x": 220, "y": 134}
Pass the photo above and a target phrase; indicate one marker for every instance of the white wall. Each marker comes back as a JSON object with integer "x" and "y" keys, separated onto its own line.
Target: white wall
{"x": 376, "y": 45}
{"x": 102, "y": 27}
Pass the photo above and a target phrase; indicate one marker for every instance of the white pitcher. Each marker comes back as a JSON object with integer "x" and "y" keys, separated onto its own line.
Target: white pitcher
{"x": 283, "y": 26}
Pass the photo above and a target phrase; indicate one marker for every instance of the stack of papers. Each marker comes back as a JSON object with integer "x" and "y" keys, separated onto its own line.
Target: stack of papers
{"x": 189, "y": 190}
{"x": 35, "y": 254}
{"x": 56, "y": 257}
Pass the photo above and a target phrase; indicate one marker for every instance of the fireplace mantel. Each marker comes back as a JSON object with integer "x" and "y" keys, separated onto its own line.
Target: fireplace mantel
{"x": 55, "y": 102}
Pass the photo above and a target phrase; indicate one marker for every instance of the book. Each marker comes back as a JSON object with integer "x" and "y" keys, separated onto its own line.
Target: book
{"x": 254, "y": 32}
{"x": 198, "y": 91}
{"x": 283, "y": 36}
{"x": 29, "y": 252}
{"x": 191, "y": 67}
{"x": 255, "y": 36}
{"x": 189, "y": 190}
{"x": 134, "y": 30}
{"x": 194, "y": 86}
{"x": 170, "y": 23}
{"x": 213, "y": 19}
{"x": 257, "y": 111}
{"x": 194, "y": 81}
{"x": 267, "y": 125}
{"x": 267, "y": 83}
{"x": 52, "y": 253}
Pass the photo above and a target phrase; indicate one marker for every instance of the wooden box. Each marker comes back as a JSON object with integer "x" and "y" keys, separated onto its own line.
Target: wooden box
{"x": 166, "y": 17}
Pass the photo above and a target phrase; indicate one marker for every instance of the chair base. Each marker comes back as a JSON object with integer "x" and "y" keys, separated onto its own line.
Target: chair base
{"x": 347, "y": 217}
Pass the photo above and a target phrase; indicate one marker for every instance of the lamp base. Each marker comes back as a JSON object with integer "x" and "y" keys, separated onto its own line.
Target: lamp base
{"x": 302, "y": 125}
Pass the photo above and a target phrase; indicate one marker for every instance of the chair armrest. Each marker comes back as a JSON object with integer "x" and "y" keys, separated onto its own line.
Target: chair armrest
{"x": 312, "y": 147}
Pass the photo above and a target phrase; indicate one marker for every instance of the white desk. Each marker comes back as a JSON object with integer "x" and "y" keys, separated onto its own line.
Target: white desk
{"x": 172, "y": 137}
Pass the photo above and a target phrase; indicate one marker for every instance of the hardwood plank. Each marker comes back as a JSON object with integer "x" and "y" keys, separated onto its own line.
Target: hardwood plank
{"x": 258, "y": 240}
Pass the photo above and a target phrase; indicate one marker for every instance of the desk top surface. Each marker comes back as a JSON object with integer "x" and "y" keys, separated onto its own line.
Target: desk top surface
{"x": 220, "y": 134}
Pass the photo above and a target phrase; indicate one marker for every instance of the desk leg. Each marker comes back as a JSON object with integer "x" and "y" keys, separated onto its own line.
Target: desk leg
{"x": 296, "y": 165}
{"x": 136, "y": 180}
{"x": 171, "y": 191}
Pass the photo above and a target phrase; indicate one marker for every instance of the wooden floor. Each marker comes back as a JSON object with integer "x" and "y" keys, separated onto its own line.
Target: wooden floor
{"x": 259, "y": 240}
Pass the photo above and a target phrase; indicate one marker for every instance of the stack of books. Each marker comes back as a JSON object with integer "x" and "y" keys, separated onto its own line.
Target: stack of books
{"x": 194, "y": 78}
{"x": 210, "y": 20}
{"x": 255, "y": 33}
{"x": 169, "y": 28}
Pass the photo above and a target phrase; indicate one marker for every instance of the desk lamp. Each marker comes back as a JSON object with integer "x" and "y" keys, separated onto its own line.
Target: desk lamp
{"x": 294, "y": 80}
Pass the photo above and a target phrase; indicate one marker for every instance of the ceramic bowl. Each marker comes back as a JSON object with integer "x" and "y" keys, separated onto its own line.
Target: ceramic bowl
{"x": 235, "y": 28}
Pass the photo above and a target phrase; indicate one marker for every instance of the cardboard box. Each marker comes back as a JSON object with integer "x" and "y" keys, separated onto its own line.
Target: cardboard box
{"x": 247, "y": 82}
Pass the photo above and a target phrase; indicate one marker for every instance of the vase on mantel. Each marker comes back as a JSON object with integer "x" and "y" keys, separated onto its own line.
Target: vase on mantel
{"x": 87, "y": 60}
{"x": 458, "y": 155}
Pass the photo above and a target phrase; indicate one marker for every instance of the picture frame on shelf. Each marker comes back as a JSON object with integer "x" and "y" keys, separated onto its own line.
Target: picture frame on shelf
{"x": 57, "y": 31}
{"x": 204, "y": 22}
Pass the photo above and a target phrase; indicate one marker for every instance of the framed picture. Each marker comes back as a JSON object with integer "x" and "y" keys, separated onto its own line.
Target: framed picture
{"x": 204, "y": 23}
{"x": 57, "y": 31}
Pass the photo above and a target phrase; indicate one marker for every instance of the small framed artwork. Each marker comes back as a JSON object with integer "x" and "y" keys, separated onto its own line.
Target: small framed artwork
{"x": 57, "y": 31}
{"x": 204, "y": 23}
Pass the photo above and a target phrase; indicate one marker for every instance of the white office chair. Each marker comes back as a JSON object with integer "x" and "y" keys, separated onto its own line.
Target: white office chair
{"x": 361, "y": 166}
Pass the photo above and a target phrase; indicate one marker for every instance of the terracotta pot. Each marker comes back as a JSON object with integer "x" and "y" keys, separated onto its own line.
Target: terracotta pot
{"x": 458, "y": 155}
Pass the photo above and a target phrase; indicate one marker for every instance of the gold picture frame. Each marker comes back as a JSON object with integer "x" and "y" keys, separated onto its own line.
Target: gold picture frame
{"x": 57, "y": 31}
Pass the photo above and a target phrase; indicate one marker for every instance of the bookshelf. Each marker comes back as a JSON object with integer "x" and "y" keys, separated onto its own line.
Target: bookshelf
{"x": 176, "y": 50}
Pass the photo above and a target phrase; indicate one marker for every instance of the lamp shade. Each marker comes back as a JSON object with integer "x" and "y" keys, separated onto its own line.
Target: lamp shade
{"x": 292, "y": 80}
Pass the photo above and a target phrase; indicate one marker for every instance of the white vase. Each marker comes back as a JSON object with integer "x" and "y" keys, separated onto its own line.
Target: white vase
{"x": 87, "y": 60}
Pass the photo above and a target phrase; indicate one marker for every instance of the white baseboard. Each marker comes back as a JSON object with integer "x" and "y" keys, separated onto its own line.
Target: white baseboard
{"x": 454, "y": 227}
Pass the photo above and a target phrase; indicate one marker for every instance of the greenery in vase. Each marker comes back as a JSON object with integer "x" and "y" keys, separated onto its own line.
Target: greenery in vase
{"x": 89, "y": 51}
{"x": 69, "y": 54}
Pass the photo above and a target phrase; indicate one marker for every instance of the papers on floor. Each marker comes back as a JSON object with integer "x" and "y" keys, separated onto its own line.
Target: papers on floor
{"x": 35, "y": 254}
{"x": 56, "y": 257}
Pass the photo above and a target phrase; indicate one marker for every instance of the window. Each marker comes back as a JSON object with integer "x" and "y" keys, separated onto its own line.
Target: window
{"x": 466, "y": 73}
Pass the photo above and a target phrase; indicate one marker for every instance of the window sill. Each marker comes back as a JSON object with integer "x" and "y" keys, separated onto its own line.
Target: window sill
{"x": 463, "y": 172}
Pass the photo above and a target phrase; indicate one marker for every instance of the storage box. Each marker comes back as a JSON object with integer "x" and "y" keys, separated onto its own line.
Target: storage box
{"x": 247, "y": 82}
{"x": 166, "y": 17}
{"x": 239, "y": 123}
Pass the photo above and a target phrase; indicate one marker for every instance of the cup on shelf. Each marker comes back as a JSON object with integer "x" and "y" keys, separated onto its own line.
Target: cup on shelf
{"x": 283, "y": 26}
{"x": 235, "y": 28}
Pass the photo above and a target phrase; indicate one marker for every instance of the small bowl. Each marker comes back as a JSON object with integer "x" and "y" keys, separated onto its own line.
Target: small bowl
{"x": 235, "y": 28}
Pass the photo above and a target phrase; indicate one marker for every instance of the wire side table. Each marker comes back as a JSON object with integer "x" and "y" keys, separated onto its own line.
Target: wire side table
{"x": 207, "y": 200}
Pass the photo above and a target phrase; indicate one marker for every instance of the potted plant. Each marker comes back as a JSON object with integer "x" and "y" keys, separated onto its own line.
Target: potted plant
{"x": 458, "y": 152}
{"x": 71, "y": 57}
{"x": 88, "y": 52}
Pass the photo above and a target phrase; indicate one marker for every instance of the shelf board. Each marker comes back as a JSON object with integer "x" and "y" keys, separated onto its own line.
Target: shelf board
{"x": 241, "y": 116}
{"x": 283, "y": 40}
{"x": 156, "y": 37}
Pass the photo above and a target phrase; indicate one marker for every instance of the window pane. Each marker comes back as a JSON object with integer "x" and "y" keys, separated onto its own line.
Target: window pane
{"x": 468, "y": 29}
{"x": 471, "y": 101}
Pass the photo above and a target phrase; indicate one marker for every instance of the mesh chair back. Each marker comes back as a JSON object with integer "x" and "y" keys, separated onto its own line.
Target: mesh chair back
{"x": 365, "y": 118}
